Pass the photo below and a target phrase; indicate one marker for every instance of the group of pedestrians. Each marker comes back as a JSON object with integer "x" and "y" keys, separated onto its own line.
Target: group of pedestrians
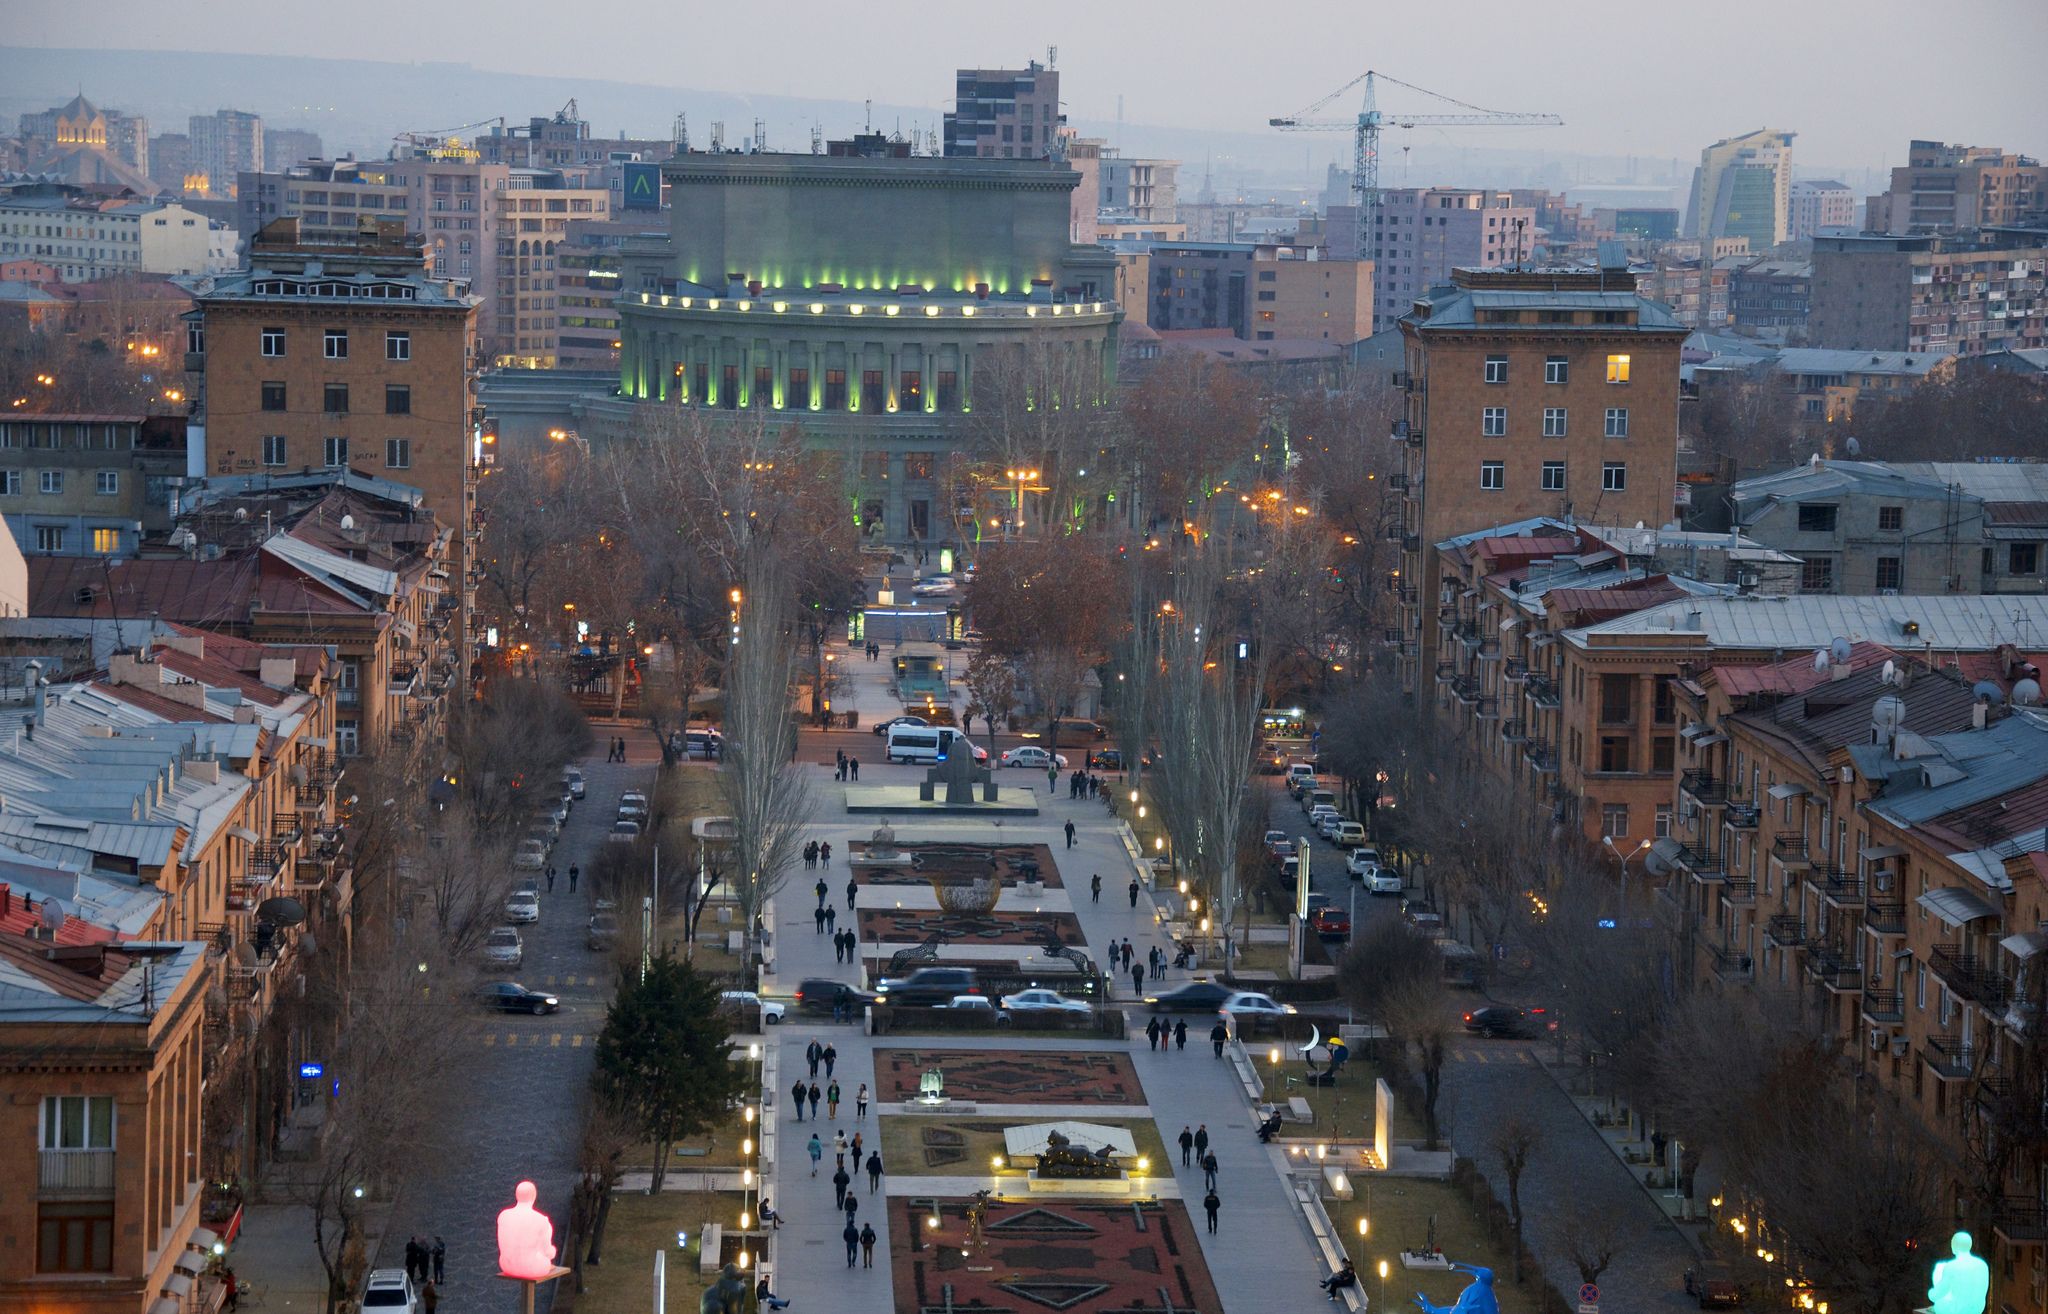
{"x": 615, "y": 749}
{"x": 845, "y": 947}
{"x": 818, "y": 854}
{"x": 1122, "y": 958}
{"x": 844, "y": 767}
{"x": 850, "y": 1154}
{"x": 1080, "y": 785}
{"x": 1164, "y": 1037}
{"x": 427, "y": 1266}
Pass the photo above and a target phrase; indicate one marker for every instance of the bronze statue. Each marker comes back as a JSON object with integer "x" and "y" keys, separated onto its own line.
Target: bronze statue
{"x": 728, "y": 1295}
{"x": 1063, "y": 1158}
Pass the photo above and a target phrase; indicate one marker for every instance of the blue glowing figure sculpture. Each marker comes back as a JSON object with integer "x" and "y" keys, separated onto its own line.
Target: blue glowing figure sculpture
{"x": 1962, "y": 1285}
{"x": 1477, "y": 1298}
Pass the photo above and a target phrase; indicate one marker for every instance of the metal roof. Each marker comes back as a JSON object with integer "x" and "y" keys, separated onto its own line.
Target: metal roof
{"x": 1994, "y": 481}
{"x": 1958, "y": 907}
{"x": 1456, "y": 307}
{"x": 1822, "y": 360}
{"x": 1821, "y": 478}
{"x": 1944, "y": 773}
{"x": 1943, "y": 623}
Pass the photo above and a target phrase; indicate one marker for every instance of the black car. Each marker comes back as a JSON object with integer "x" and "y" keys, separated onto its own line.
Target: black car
{"x": 930, "y": 985}
{"x": 1106, "y": 759}
{"x": 1505, "y": 1021}
{"x": 881, "y": 728}
{"x": 822, "y": 995}
{"x": 511, "y": 997}
{"x": 1194, "y": 997}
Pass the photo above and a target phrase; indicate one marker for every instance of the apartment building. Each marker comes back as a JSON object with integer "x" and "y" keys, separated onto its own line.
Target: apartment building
{"x": 1820, "y": 205}
{"x": 87, "y": 236}
{"x": 79, "y": 485}
{"x": 1967, "y": 295}
{"x": 1771, "y": 298}
{"x": 225, "y": 145}
{"x": 1260, "y": 292}
{"x": 1743, "y": 188}
{"x": 1954, "y": 189}
{"x": 1007, "y": 113}
{"x": 1528, "y": 395}
{"x": 1421, "y": 234}
{"x": 1146, "y": 190}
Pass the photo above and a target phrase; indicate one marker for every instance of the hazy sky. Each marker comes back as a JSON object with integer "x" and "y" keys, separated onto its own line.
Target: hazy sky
{"x": 1855, "y": 80}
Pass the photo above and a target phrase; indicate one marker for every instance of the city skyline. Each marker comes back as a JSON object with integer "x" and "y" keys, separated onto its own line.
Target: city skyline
{"x": 1647, "y": 102}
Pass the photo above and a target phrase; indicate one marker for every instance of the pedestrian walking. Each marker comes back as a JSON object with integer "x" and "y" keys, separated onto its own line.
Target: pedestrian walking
{"x": 575, "y": 873}
{"x": 839, "y": 1146}
{"x": 232, "y": 1286}
{"x": 831, "y": 1057}
{"x": 1138, "y": 979}
{"x": 622, "y": 749}
{"x": 1052, "y": 777}
{"x": 796, "y": 1096}
{"x": 1152, "y": 1032}
{"x": 1180, "y": 1034}
{"x": 817, "y": 1149}
{"x": 1201, "y": 1140}
{"x": 818, "y": 920}
{"x": 840, "y": 1181}
{"x": 860, "y": 1103}
{"x": 874, "y": 1171}
{"x": 820, "y": 889}
{"x": 831, "y": 919}
{"x": 853, "y": 1148}
{"x": 1210, "y": 1204}
{"x": 825, "y": 854}
{"x": 430, "y": 1296}
{"x": 852, "y": 1238}
{"x": 412, "y": 1256}
{"x": 838, "y": 950}
{"x": 1187, "y": 1146}
{"x": 1217, "y": 1035}
{"x": 867, "y": 1245}
{"x": 852, "y": 889}
{"x": 1070, "y": 833}
{"x": 814, "y": 1052}
{"x": 1209, "y": 1171}
{"x": 852, "y": 1207}
{"x": 832, "y": 1101}
{"x": 440, "y": 1259}
{"x": 839, "y": 764}
{"x": 1134, "y": 891}
{"x": 1095, "y": 888}
{"x": 814, "y": 1093}
{"x": 551, "y": 878}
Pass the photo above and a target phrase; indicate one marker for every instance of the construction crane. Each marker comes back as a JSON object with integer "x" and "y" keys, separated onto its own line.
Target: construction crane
{"x": 1365, "y": 165}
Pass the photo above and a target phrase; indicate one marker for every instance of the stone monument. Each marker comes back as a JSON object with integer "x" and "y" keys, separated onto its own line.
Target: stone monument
{"x": 931, "y": 1087}
{"x": 959, "y": 774}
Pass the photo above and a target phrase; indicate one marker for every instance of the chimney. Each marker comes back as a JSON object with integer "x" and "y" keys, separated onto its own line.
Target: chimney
{"x": 1979, "y": 714}
{"x": 193, "y": 645}
{"x": 1838, "y": 670}
{"x": 277, "y": 672}
{"x": 134, "y": 669}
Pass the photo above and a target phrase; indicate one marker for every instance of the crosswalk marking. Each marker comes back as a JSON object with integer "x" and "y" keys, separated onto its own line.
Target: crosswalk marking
{"x": 576, "y": 1041}
{"x": 554, "y": 1040}
{"x": 490, "y": 1037}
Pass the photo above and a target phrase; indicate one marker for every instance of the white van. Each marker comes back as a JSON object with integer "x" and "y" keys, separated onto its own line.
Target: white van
{"x": 927, "y": 743}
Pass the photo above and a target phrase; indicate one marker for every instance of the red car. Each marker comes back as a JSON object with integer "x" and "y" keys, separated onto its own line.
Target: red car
{"x": 1331, "y": 923}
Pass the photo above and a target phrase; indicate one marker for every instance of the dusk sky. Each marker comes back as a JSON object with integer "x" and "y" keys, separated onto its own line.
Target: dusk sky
{"x": 1854, "y": 80}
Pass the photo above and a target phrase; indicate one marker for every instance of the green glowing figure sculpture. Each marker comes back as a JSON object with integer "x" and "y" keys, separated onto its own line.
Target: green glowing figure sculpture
{"x": 1961, "y": 1285}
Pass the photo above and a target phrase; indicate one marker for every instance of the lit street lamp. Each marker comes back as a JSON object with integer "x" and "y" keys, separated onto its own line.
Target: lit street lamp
{"x": 1019, "y": 476}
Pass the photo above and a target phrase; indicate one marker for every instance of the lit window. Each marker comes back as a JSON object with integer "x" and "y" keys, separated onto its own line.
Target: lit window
{"x": 1617, "y": 369}
{"x": 106, "y": 542}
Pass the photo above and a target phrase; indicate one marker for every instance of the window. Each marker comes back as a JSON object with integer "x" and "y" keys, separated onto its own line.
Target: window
{"x": 1614, "y": 477}
{"x": 764, "y": 385}
{"x": 1663, "y": 753}
{"x": 1614, "y": 752}
{"x": 51, "y": 481}
{"x": 75, "y": 1237}
{"x": 2023, "y": 559}
{"x": 1816, "y": 519}
{"x": 1496, "y": 369}
{"x": 1617, "y": 699}
{"x": 397, "y": 399}
{"x": 729, "y": 387}
{"x": 1888, "y": 574}
{"x": 1617, "y": 369}
{"x": 1556, "y": 369}
{"x": 273, "y": 396}
{"x": 948, "y": 383}
{"x": 1662, "y": 824}
{"x": 49, "y": 538}
{"x": 835, "y": 390}
{"x": 1817, "y": 575}
{"x": 910, "y": 390}
{"x": 10, "y": 483}
{"x": 1617, "y": 422}
{"x": 334, "y": 399}
{"x": 799, "y": 392}
{"x": 1553, "y": 421}
{"x": 871, "y": 395}
{"x": 106, "y": 483}
{"x": 337, "y": 453}
{"x": 1493, "y": 422}
{"x": 398, "y": 453}
{"x": 345, "y": 740}
{"x": 336, "y": 343}
{"x": 106, "y": 542}
{"x": 1493, "y": 475}
{"x": 273, "y": 449}
{"x": 397, "y": 346}
{"x": 1614, "y": 820}
{"x": 273, "y": 342}
{"x": 1891, "y": 518}
{"x": 1553, "y": 476}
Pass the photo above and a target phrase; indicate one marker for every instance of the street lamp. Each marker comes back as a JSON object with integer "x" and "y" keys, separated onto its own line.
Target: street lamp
{"x": 1383, "y": 1284}
{"x": 1018, "y": 476}
{"x": 1616, "y": 850}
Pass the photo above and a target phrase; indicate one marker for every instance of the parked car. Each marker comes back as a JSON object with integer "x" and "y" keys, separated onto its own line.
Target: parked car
{"x": 1297, "y": 772}
{"x": 1251, "y": 1006}
{"x": 1281, "y": 849}
{"x": 975, "y": 1004}
{"x": 822, "y": 994}
{"x": 1331, "y": 923}
{"x": 1031, "y": 755}
{"x": 1042, "y": 1001}
{"x": 1362, "y": 862}
{"x": 745, "y": 1002}
{"x": 532, "y": 855}
{"x": 1194, "y": 997}
{"x": 1327, "y": 824}
{"x": 938, "y": 586}
{"x": 1349, "y": 834}
{"x": 1272, "y": 837}
{"x": 881, "y": 728}
{"x": 390, "y": 1289}
{"x": 930, "y": 985}
{"x": 511, "y": 997}
{"x": 503, "y": 947}
{"x": 573, "y": 778}
{"x": 556, "y": 812}
{"x": 1311, "y": 799}
{"x": 604, "y": 931}
{"x": 1324, "y": 812}
{"x": 707, "y": 743}
{"x": 633, "y": 806}
{"x": 1503, "y": 1021}
{"x": 1106, "y": 759}
{"x": 623, "y": 832}
{"x": 522, "y": 907}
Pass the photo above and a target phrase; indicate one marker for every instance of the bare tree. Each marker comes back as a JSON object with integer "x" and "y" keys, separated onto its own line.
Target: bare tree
{"x": 764, "y": 790}
{"x": 609, "y": 1132}
{"x": 1040, "y": 406}
{"x": 991, "y": 681}
{"x": 465, "y": 872}
{"x": 1393, "y": 974}
{"x": 1514, "y": 1140}
{"x": 1590, "y": 1236}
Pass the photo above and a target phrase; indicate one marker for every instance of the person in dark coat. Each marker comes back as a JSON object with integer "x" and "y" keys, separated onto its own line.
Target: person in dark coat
{"x": 852, "y": 1238}
{"x": 796, "y": 1097}
{"x": 815, "y": 1095}
{"x": 1202, "y": 1141}
{"x": 867, "y": 1245}
{"x": 1210, "y": 1205}
{"x": 1134, "y": 891}
{"x": 840, "y": 1181}
{"x": 1180, "y": 1034}
{"x": 874, "y": 1170}
{"x": 1187, "y": 1146}
{"x": 1209, "y": 1171}
{"x": 1217, "y": 1035}
{"x": 1152, "y": 1032}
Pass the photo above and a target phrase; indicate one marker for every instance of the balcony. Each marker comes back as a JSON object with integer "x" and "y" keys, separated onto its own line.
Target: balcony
{"x": 1885, "y": 916}
{"x": 1731, "y": 964}
{"x": 1789, "y": 852}
{"x": 1515, "y": 671}
{"x": 85, "y": 1174}
{"x": 1466, "y": 689}
{"x": 1489, "y": 650}
{"x": 405, "y": 680}
{"x": 1411, "y": 544}
{"x": 1884, "y": 1008}
{"x": 1398, "y": 481}
{"x": 348, "y": 696}
{"x": 1541, "y": 755}
{"x": 2020, "y": 1221}
{"x": 1468, "y": 630}
{"x": 1543, "y": 691}
{"x": 1446, "y": 672}
{"x": 1739, "y": 891}
{"x": 265, "y": 862}
{"x": 1742, "y": 816}
{"x": 1705, "y": 865}
{"x": 1970, "y": 976}
{"x": 1704, "y": 787}
{"x": 1843, "y": 889}
{"x": 1950, "y": 1058}
{"x": 1515, "y": 731}
{"x": 1447, "y": 615}
{"x": 1786, "y": 930}
{"x": 1390, "y": 637}
{"x": 1835, "y": 970}
{"x": 1487, "y": 708}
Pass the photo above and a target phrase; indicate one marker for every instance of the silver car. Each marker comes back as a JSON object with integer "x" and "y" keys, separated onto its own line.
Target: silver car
{"x": 504, "y": 948}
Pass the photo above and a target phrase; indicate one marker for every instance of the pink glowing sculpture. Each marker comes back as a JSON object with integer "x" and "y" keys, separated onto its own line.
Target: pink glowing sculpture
{"x": 526, "y": 1239}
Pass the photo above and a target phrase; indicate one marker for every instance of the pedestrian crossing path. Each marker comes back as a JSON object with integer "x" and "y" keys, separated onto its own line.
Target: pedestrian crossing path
{"x": 1493, "y": 1056}
{"x": 570, "y": 980}
{"x": 539, "y": 1039}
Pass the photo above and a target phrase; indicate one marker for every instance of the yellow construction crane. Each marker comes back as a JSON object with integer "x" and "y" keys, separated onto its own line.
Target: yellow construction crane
{"x": 1365, "y": 165}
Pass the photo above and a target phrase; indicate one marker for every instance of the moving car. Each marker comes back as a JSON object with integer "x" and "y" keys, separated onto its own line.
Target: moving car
{"x": 503, "y": 947}
{"x": 1194, "y": 997}
{"x": 604, "y": 931}
{"x": 882, "y": 728}
{"x": 707, "y": 743}
{"x": 511, "y": 997}
{"x": 623, "y": 832}
{"x": 1031, "y": 755}
{"x": 1042, "y": 1001}
{"x": 1504, "y": 1021}
{"x": 924, "y": 744}
{"x": 821, "y": 994}
{"x": 1070, "y": 733}
{"x": 745, "y": 1002}
{"x": 1272, "y": 760}
{"x": 390, "y": 1289}
{"x": 633, "y": 807}
{"x": 1331, "y": 923}
{"x": 930, "y": 985}
{"x": 522, "y": 907}
{"x": 975, "y": 1003}
{"x": 1250, "y": 1005}
{"x": 532, "y": 855}
{"x": 1106, "y": 759}
{"x": 937, "y": 586}
{"x": 573, "y": 778}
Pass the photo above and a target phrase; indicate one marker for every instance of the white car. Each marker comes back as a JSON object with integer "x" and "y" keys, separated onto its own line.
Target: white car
{"x": 745, "y": 1002}
{"x": 573, "y": 778}
{"x": 1031, "y": 755}
{"x": 1324, "y": 812}
{"x": 1042, "y": 1001}
{"x": 1362, "y": 862}
{"x": 623, "y": 832}
{"x": 1383, "y": 880}
{"x": 1253, "y": 1005}
{"x": 390, "y": 1289}
{"x": 633, "y": 806}
{"x": 1330, "y": 823}
{"x": 936, "y": 587}
{"x": 504, "y": 948}
{"x": 978, "y": 1003}
{"x": 532, "y": 855}
{"x": 522, "y": 907}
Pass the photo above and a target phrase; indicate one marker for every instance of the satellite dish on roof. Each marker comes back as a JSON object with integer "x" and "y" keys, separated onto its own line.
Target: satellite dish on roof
{"x": 1851, "y": 446}
{"x": 1654, "y": 864}
{"x": 348, "y": 522}
{"x": 1840, "y": 648}
{"x": 283, "y": 910}
{"x": 1886, "y": 715}
{"x": 1988, "y": 692}
{"x": 1890, "y": 673}
{"x": 245, "y": 954}
{"x": 2026, "y": 693}
{"x": 1820, "y": 659}
{"x": 241, "y": 514}
{"x": 51, "y": 915}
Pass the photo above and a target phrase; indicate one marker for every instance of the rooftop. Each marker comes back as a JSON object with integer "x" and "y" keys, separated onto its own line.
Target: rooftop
{"x": 1818, "y": 360}
{"x": 90, "y": 984}
{"x": 1935, "y": 624}
{"x": 1820, "y": 478}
